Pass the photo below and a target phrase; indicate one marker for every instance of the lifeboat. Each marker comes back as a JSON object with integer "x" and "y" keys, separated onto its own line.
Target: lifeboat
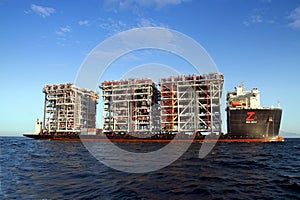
{"x": 236, "y": 104}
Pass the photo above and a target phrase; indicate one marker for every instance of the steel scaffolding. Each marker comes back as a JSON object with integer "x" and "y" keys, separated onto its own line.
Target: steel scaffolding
{"x": 191, "y": 103}
{"x": 68, "y": 109}
{"x": 130, "y": 106}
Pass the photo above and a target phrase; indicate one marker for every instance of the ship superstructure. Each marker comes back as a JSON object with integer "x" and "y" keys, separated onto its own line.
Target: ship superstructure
{"x": 241, "y": 98}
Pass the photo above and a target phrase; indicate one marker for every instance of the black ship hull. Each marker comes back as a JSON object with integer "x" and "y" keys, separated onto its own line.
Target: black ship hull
{"x": 243, "y": 125}
{"x": 262, "y": 123}
{"x": 158, "y": 138}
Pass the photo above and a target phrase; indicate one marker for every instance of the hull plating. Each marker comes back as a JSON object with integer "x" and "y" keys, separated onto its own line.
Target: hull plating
{"x": 253, "y": 123}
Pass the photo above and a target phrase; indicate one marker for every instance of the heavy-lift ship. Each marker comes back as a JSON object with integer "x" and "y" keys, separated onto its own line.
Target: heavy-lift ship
{"x": 184, "y": 108}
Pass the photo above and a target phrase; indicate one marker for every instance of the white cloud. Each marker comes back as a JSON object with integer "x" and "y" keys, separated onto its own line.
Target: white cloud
{"x": 259, "y": 16}
{"x": 295, "y": 17}
{"x": 113, "y": 26}
{"x": 59, "y": 33}
{"x": 256, "y": 19}
{"x": 266, "y": 1}
{"x": 83, "y": 22}
{"x": 295, "y": 24}
{"x": 63, "y": 30}
{"x": 42, "y": 11}
{"x": 117, "y": 5}
{"x": 27, "y": 11}
{"x": 158, "y": 3}
{"x": 253, "y": 19}
{"x": 144, "y": 22}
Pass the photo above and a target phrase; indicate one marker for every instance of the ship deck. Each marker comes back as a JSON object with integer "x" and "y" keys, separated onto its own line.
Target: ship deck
{"x": 147, "y": 140}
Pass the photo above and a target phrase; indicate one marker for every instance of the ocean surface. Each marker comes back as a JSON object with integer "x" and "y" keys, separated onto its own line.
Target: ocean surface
{"x": 33, "y": 169}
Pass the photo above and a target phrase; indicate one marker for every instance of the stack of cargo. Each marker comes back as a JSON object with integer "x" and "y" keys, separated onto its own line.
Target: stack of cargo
{"x": 68, "y": 109}
{"x": 191, "y": 103}
{"x": 130, "y": 106}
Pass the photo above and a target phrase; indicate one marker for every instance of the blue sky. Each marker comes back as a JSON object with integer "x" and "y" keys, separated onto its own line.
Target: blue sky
{"x": 45, "y": 42}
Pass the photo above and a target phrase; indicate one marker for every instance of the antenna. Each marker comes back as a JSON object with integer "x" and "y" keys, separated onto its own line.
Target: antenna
{"x": 243, "y": 85}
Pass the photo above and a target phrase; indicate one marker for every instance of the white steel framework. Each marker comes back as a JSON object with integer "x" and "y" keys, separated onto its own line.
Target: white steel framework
{"x": 130, "y": 106}
{"x": 191, "y": 103}
{"x": 68, "y": 109}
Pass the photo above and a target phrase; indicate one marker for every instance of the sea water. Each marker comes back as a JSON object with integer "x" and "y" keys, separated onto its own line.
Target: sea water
{"x": 32, "y": 169}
